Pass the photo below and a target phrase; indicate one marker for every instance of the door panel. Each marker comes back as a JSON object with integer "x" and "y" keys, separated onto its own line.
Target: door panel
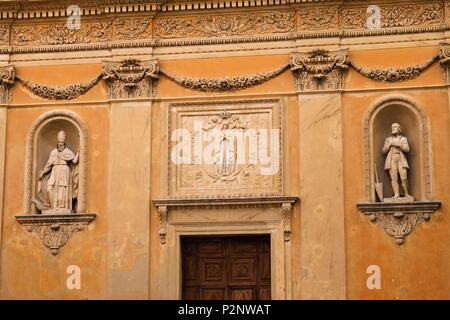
{"x": 234, "y": 268}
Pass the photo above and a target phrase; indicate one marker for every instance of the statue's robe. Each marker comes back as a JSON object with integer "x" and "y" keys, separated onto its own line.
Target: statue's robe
{"x": 57, "y": 189}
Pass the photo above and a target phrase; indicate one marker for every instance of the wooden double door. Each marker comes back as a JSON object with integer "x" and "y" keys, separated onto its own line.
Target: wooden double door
{"x": 226, "y": 268}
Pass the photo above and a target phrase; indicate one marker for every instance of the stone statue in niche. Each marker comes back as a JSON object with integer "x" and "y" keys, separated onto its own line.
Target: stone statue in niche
{"x": 58, "y": 180}
{"x": 396, "y": 147}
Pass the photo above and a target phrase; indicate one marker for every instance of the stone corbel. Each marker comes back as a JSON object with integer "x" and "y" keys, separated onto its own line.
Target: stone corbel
{"x": 55, "y": 230}
{"x": 399, "y": 220}
{"x": 7, "y": 77}
{"x": 131, "y": 78}
{"x": 320, "y": 69}
{"x": 444, "y": 58}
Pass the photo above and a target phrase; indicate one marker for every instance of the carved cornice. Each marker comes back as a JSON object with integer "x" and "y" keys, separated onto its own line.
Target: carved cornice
{"x": 7, "y": 76}
{"x": 129, "y": 23}
{"x": 320, "y": 69}
{"x": 399, "y": 220}
{"x": 283, "y": 202}
{"x": 130, "y": 78}
{"x": 54, "y": 231}
{"x": 226, "y": 83}
{"x": 65, "y": 92}
{"x": 394, "y": 74}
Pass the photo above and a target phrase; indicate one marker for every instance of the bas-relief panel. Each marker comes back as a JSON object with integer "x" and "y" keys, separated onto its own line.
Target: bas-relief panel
{"x": 228, "y": 148}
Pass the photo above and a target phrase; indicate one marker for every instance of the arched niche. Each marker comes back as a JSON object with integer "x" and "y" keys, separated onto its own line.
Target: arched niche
{"x": 414, "y": 123}
{"x": 41, "y": 140}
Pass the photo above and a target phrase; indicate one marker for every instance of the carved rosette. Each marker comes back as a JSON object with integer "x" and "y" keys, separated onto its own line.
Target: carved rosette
{"x": 54, "y": 231}
{"x": 320, "y": 69}
{"x": 131, "y": 78}
{"x": 7, "y": 76}
{"x": 399, "y": 220}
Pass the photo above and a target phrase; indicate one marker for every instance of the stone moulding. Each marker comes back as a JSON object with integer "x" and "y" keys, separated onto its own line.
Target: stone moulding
{"x": 394, "y": 74}
{"x": 54, "y": 231}
{"x": 283, "y": 202}
{"x": 65, "y": 92}
{"x": 399, "y": 220}
{"x": 226, "y": 83}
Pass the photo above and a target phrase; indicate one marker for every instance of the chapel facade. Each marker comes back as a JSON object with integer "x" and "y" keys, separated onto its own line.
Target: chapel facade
{"x": 224, "y": 149}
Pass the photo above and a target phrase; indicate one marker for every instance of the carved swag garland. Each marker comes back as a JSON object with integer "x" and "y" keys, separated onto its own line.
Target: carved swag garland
{"x": 314, "y": 70}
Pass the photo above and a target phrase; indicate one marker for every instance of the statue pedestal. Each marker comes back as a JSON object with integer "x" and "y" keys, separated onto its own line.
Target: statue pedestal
{"x": 55, "y": 230}
{"x": 408, "y": 199}
{"x": 399, "y": 219}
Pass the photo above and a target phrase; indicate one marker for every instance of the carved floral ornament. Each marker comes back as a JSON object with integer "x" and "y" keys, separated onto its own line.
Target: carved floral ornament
{"x": 315, "y": 70}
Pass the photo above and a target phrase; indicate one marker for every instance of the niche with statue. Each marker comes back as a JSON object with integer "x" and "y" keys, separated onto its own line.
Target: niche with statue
{"x": 398, "y": 173}
{"x": 56, "y": 178}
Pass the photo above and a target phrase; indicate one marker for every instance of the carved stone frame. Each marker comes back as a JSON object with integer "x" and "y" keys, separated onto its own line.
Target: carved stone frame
{"x": 424, "y": 137}
{"x": 30, "y": 156}
{"x": 273, "y": 220}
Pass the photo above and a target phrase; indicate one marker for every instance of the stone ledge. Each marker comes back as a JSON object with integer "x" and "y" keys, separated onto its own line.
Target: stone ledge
{"x": 263, "y": 201}
{"x": 55, "y": 230}
{"x": 399, "y": 219}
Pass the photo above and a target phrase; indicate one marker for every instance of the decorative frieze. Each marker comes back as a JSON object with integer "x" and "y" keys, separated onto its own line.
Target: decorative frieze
{"x": 320, "y": 69}
{"x": 130, "y": 78}
{"x": 4, "y": 34}
{"x": 225, "y": 25}
{"x": 394, "y": 15}
{"x": 55, "y": 230}
{"x": 317, "y": 18}
{"x": 7, "y": 76}
{"x": 399, "y": 220}
{"x": 90, "y": 32}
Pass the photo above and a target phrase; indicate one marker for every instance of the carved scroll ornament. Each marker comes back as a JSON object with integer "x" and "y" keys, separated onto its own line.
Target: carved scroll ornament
{"x": 224, "y": 84}
{"x": 7, "y": 76}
